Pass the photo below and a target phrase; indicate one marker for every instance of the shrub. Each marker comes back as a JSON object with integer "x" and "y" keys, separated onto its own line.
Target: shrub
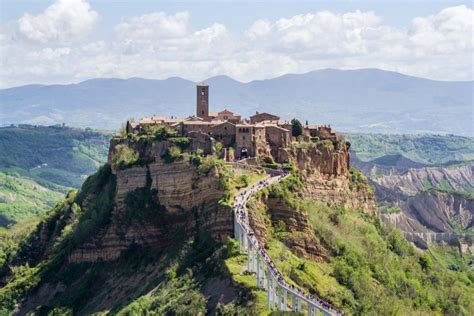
{"x": 327, "y": 144}
{"x": 425, "y": 262}
{"x": 124, "y": 156}
{"x": 357, "y": 180}
{"x": 218, "y": 147}
{"x": 157, "y": 132}
{"x": 208, "y": 163}
{"x": 181, "y": 142}
{"x": 172, "y": 154}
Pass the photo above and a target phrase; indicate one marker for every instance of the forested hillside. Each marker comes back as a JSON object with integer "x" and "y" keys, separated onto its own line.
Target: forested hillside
{"x": 426, "y": 149}
{"x": 38, "y": 165}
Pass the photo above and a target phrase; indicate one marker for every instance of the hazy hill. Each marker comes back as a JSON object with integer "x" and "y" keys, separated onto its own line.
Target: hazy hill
{"x": 352, "y": 100}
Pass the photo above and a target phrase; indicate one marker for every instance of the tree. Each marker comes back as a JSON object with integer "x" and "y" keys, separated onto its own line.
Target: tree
{"x": 296, "y": 128}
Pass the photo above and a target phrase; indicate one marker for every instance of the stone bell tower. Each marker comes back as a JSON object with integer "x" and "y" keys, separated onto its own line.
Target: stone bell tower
{"x": 202, "y": 101}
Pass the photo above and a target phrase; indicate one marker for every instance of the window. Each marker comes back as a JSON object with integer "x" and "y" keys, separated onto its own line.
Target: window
{"x": 202, "y": 112}
{"x": 243, "y": 137}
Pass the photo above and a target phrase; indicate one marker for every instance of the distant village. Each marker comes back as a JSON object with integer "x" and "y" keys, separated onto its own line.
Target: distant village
{"x": 258, "y": 135}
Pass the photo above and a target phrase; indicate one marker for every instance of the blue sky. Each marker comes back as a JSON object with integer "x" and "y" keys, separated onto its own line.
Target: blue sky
{"x": 240, "y": 14}
{"x": 71, "y": 40}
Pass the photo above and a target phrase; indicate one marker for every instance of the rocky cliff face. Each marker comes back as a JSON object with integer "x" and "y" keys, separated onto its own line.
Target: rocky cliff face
{"x": 426, "y": 214}
{"x": 434, "y": 211}
{"x": 458, "y": 178}
{"x": 301, "y": 238}
{"x": 157, "y": 204}
{"x": 325, "y": 173}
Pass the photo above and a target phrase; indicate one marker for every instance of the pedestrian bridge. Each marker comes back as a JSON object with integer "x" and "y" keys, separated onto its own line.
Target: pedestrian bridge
{"x": 280, "y": 295}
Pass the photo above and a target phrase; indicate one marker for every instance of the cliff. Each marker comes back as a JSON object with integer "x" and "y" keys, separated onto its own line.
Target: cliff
{"x": 327, "y": 175}
{"x": 429, "y": 204}
{"x": 158, "y": 203}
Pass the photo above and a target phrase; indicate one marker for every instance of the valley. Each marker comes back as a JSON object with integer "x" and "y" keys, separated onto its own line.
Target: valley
{"x": 39, "y": 165}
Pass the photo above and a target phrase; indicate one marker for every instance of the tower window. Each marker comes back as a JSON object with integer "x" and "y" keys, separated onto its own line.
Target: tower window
{"x": 202, "y": 112}
{"x": 202, "y": 92}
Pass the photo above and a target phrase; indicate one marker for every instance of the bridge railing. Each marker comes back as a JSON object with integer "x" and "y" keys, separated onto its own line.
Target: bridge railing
{"x": 247, "y": 240}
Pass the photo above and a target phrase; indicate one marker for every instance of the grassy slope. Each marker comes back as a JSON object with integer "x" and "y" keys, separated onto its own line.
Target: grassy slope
{"x": 38, "y": 165}
{"x": 428, "y": 149}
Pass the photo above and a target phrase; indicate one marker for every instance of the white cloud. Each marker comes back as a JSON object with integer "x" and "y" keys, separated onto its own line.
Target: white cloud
{"x": 159, "y": 45}
{"x": 451, "y": 31}
{"x": 61, "y": 20}
{"x": 259, "y": 29}
{"x": 156, "y": 25}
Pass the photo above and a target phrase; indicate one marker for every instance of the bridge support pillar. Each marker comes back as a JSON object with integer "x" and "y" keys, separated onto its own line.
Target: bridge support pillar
{"x": 285, "y": 300}
{"x": 278, "y": 298}
{"x": 258, "y": 271}
{"x": 249, "y": 256}
{"x": 275, "y": 288}
{"x": 268, "y": 291}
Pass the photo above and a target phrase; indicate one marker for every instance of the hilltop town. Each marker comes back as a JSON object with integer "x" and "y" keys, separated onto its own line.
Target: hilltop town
{"x": 260, "y": 135}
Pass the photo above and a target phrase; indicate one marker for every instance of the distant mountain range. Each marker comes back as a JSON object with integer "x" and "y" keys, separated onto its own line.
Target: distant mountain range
{"x": 365, "y": 100}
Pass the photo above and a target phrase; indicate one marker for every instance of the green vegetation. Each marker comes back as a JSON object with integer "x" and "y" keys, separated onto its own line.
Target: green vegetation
{"x": 124, "y": 157}
{"x": 178, "y": 280}
{"x": 450, "y": 257}
{"x": 181, "y": 142}
{"x": 426, "y": 149}
{"x": 22, "y": 198}
{"x": 173, "y": 153}
{"x": 11, "y": 238}
{"x": 70, "y": 223}
{"x": 390, "y": 210}
{"x": 296, "y": 127}
{"x": 38, "y": 165}
{"x": 369, "y": 267}
{"x": 150, "y": 132}
{"x": 357, "y": 180}
{"x": 194, "y": 267}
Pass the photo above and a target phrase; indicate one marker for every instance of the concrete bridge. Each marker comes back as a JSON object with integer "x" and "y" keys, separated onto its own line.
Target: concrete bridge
{"x": 280, "y": 295}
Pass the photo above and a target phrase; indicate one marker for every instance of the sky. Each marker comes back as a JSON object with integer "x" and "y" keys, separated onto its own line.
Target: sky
{"x": 68, "y": 41}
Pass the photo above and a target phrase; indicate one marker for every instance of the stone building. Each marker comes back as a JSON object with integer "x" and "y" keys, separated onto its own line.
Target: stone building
{"x": 262, "y": 134}
{"x": 322, "y": 132}
{"x": 260, "y": 117}
{"x": 224, "y": 132}
{"x": 227, "y": 115}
